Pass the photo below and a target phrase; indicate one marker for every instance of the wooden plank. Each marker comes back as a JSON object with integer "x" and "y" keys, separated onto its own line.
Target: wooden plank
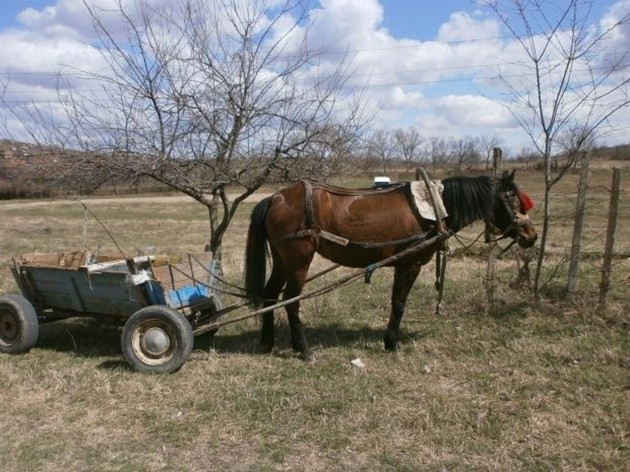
{"x": 113, "y": 265}
{"x": 101, "y": 293}
{"x": 61, "y": 259}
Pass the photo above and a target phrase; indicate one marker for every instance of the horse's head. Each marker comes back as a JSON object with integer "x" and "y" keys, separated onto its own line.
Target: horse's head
{"x": 510, "y": 218}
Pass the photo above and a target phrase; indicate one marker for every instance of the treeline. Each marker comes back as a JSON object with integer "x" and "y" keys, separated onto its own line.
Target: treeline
{"x": 407, "y": 148}
{"x": 31, "y": 171}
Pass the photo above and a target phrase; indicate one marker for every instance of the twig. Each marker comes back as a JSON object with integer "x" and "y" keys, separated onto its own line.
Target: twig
{"x": 111, "y": 236}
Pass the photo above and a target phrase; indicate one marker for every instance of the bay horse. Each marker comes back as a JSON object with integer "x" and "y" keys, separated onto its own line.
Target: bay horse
{"x": 356, "y": 228}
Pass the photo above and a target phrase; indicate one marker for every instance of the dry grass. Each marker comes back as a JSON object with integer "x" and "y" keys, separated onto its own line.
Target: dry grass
{"x": 517, "y": 386}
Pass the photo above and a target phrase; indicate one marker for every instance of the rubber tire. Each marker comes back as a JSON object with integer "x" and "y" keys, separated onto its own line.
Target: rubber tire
{"x": 171, "y": 323}
{"x": 19, "y": 326}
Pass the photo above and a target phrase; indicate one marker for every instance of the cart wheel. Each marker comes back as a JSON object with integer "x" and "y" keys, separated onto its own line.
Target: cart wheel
{"x": 19, "y": 326}
{"x": 157, "y": 339}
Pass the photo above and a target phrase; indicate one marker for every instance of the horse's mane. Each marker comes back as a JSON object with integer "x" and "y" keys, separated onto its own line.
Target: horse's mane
{"x": 468, "y": 199}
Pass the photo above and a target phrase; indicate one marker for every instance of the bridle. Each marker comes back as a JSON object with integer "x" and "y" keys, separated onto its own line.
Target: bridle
{"x": 519, "y": 219}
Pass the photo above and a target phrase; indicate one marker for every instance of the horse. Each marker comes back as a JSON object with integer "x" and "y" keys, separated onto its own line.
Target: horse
{"x": 356, "y": 228}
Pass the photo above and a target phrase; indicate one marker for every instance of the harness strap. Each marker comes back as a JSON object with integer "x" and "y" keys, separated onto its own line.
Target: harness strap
{"x": 312, "y": 229}
{"x": 308, "y": 204}
{"x": 310, "y": 226}
{"x": 307, "y": 233}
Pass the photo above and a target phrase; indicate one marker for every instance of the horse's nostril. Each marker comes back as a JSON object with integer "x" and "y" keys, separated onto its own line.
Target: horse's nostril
{"x": 527, "y": 241}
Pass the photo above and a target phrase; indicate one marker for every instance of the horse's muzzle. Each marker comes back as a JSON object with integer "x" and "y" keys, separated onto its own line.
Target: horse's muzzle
{"x": 527, "y": 236}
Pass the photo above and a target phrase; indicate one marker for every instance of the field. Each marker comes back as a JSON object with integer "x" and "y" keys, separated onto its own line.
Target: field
{"x": 519, "y": 385}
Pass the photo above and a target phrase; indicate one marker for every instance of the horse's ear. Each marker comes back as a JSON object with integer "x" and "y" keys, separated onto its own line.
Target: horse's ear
{"x": 508, "y": 177}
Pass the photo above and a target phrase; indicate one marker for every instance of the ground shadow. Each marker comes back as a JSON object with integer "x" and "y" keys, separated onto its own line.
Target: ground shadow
{"x": 324, "y": 337}
{"x": 97, "y": 337}
{"x": 86, "y": 337}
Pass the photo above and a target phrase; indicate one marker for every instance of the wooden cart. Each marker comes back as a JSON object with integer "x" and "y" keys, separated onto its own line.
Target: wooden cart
{"x": 160, "y": 302}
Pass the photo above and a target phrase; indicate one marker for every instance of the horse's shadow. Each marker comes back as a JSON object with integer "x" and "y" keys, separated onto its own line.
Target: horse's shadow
{"x": 98, "y": 338}
{"x": 319, "y": 337}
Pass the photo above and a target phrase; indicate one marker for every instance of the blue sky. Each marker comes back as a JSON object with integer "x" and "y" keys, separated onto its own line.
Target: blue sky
{"x": 424, "y": 63}
{"x": 407, "y": 18}
{"x": 9, "y": 10}
{"x": 420, "y": 20}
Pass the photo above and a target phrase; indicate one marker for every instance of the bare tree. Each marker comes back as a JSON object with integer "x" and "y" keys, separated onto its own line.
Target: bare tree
{"x": 569, "y": 79}
{"x": 437, "y": 150}
{"x": 572, "y": 142}
{"x": 528, "y": 156}
{"x": 209, "y": 96}
{"x": 380, "y": 146}
{"x": 407, "y": 144}
{"x": 464, "y": 152}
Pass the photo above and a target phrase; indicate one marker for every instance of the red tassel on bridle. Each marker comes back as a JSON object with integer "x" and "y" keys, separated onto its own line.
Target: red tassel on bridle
{"x": 526, "y": 202}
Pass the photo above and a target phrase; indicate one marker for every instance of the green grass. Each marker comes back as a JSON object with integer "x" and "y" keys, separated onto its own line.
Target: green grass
{"x": 520, "y": 385}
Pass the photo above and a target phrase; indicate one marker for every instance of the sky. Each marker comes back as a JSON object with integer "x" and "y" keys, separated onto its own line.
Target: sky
{"x": 431, "y": 65}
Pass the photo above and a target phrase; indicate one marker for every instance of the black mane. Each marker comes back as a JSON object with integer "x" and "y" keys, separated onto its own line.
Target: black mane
{"x": 468, "y": 199}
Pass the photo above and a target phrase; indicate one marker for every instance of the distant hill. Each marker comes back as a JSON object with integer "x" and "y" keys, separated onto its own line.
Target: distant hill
{"x": 31, "y": 170}
{"x": 34, "y": 171}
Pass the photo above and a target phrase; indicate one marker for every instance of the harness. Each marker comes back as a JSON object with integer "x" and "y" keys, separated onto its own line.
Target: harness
{"x": 518, "y": 219}
{"x": 312, "y": 229}
{"x": 438, "y": 235}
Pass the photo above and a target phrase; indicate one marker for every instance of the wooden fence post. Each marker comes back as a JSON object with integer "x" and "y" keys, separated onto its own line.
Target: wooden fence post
{"x": 604, "y": 285}
{"x": 497, "y": 155}
{"x": 574, "y": 257}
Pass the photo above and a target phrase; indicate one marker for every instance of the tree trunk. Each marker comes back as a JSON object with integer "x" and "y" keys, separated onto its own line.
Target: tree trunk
{"x": 215, "y": 238}
{"x": 545, "y": 226}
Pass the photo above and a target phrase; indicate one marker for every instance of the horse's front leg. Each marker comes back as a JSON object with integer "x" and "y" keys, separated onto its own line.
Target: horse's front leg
{"x": 404, "y": 277}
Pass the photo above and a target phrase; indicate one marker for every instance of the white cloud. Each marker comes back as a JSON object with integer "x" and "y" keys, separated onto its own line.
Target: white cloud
{"x": 407, "y": 81}
{"x": 616, "y": 41}
{"x": 473, "y": 111}
{"x": 35, "y": 56}
{"x": 463, "y": 27}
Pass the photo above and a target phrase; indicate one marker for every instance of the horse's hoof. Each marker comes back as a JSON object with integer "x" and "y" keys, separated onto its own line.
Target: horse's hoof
{"x": 391, "y": 347}
{"x": 267, "y": 349}
{"x": 308, "y": 357}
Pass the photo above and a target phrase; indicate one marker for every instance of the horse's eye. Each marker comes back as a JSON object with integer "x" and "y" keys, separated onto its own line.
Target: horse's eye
{"x": 516, "y": 203}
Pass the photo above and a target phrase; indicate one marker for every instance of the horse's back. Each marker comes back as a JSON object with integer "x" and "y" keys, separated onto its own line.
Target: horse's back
{"x": 361, "y": 214}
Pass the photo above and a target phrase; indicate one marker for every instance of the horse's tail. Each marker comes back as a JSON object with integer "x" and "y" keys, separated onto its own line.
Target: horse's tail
{"x": 256, "y": 254}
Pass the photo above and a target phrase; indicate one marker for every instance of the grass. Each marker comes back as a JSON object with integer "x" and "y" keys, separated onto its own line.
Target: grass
{"x": 521, "y": 385}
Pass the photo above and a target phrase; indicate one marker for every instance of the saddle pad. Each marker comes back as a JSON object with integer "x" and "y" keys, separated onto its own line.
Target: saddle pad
{"x": 422, "y": 199}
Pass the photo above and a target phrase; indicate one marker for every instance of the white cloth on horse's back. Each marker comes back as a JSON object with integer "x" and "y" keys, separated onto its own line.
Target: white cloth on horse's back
{"x": 422, "y": 199}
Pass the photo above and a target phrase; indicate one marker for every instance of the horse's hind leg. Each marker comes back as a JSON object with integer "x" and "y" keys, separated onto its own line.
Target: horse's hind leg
{"x": 272, "y": 292}
{"x": 404, "y": 277}
{"x": 295, "y": 284}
